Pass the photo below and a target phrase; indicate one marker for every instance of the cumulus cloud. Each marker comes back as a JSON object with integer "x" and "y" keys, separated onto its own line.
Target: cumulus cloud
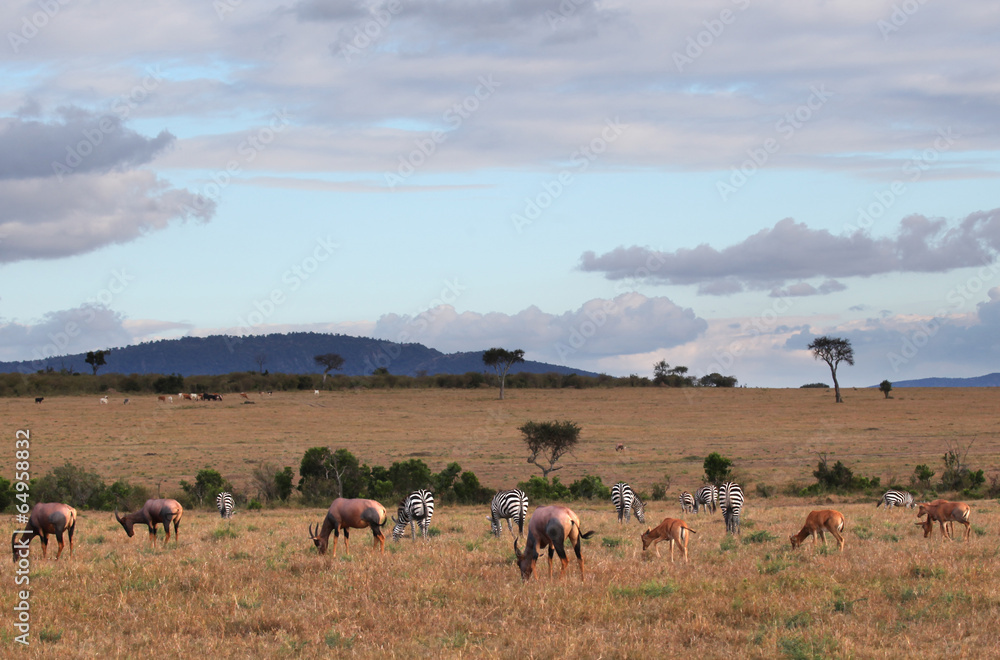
{"x": 806, "y": 289}
{"x": 791, "y": 250}
{"x": 85, "y": 328}
{"x": 41, "y": 218}
{"x": 628, "y": 323}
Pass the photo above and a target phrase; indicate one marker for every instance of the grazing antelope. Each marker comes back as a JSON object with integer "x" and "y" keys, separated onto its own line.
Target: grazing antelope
{"x": 672, "y": 530}
{"x": 345, "y": 514}
{"x": 549, "y": 527}
{"x": 152, "y": 513}
{"x": 104, "y": 400}
{"x": 244, "y": 395}
{"x": 820, "y": 522}
{"x": 946, "y": 512}
{"x": 46, "y": 518}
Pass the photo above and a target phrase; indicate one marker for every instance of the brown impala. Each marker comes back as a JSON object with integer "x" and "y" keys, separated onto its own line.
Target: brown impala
{"x": 345, "y": 514}
{"x": 672, "y": 530}
{"x": 153, "y": 513}
{"x": 818, "y": 523}
{"x": 549, "y": 527}
{"x": 46, "y": 518}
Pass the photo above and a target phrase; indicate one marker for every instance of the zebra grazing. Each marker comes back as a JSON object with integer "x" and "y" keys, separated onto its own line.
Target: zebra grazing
{"x": 687, "y": 502}
{"x": 731, "y": 503}
{"x": 417, "y": 508}
{"x": 896, "y": 498}
{"x": 625, "y": 501}
{"x": 226, "y": 504}
{"x": 706, "y": 496}
{"x": 509, "y": 504}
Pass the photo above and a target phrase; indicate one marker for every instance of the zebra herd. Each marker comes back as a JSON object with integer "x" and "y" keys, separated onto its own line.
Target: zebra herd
{"x": 728, "y": 497}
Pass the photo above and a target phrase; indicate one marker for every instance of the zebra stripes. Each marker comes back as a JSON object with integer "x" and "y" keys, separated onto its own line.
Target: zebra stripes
{"x": 706, "y": 497}
{"x": 731, "y": 503}
{"x": 226, "y": 504}
{"x": 626, "y": 501}
{"x": 417, "y": 508}
{"x": 896, "y": 498}
{"x": 509, "y": 504}
{"x": 687, "y": 502}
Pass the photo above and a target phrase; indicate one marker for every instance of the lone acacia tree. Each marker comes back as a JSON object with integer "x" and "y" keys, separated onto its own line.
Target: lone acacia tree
{"x": 502, "y": 360}
{"x": 550, "y": 441}
{"x": 833, "y": 351}
{"x": 96, "y": 359}
{"x": 329, "y": 361}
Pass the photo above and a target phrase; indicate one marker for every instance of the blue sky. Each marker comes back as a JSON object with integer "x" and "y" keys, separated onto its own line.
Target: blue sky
{"x": 603, "y": 185}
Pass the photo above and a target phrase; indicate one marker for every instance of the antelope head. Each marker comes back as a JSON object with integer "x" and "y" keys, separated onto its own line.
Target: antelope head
{"x": 125, "y": 523}
{"x": 646, "y": 539}
{"x": 796, "y": 542}
{"x": 525, "y": 561}
{"x": 321, "y": 543}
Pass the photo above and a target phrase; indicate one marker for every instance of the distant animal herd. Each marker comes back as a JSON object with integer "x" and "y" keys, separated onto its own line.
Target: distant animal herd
{"x": 548, "y": 529}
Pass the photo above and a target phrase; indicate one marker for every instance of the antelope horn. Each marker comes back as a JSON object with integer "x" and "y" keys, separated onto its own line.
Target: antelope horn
{"x": 312, "y": 534}
{"x": 517, "y": 551}
{"x": 117, "y": 517}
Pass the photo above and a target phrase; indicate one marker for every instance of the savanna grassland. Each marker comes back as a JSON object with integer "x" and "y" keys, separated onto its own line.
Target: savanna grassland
{"x": 255, "y": 587}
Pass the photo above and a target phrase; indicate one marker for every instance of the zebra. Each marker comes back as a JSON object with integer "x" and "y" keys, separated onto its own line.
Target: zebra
{"x": 731, "y": 503}
{"x": 625, "y": 501}
{"x": 896, "y": 498}
{"x": 706, "y": 496}
{"x": 225, "y": 503}
{"x": 417, "y": 508}
{"x": 509, "y": 504}
{"x": 687, "y": 502}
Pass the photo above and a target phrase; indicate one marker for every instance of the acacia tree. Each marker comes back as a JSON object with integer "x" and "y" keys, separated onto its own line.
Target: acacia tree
{"x": 96, "y": 359}
{"x": 329, "y": 361}
{"x": 833, "y": 351}
{"x": 885, "y": 387}
{"x": 550, "y": 441}
{"x": 501, "y": 360}
{"x": 261, "y": 360}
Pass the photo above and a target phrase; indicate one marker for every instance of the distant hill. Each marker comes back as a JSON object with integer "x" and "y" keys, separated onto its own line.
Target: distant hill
{"x": 989, "y": 380}
{"x": 282, "y": 353}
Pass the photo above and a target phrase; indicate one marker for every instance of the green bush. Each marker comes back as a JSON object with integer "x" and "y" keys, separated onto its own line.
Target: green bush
{"x": 590, "y": 487}
{"x": 538, "y": 489}
{"x": 207, "y": 485}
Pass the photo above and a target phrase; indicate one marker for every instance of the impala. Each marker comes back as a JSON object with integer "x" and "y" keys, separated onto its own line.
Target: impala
{"x": 821, "y": 522}
{"x": 672, "y": 530}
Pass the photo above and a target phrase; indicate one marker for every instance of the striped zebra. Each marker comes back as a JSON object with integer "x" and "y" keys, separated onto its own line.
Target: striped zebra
{"x": 687, "y": 502}
{"x": 731, "y": 503}
{"x": 226, "y": 504}
{"x": 706, "y": 497}
{"x": 509, "y": 504}
{"x": 416, "y": 509}
{"x": 626, "y": 501}
{"x": 896, "y": 498}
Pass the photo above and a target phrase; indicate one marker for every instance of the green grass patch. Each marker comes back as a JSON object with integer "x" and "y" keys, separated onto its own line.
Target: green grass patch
{"x": 801, "y": 648}
{"x": 50, "y": 635}
{"x": 763, "y": 536}
{"x": 926, "y": 571}
{"x": 862, "y": 532}
{"x": 335, "y": 640}
{"x": 651, "y": 589}
{"x": 728, "y": 543}
{"x": 611, "y": 542}
{"x": 226, "y": 532}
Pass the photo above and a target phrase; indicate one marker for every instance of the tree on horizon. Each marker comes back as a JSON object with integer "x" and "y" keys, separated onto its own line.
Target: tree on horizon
{"x": 329, "y": 361}
{"x": 502, "y": 360}
{"x": 833, "y": 351}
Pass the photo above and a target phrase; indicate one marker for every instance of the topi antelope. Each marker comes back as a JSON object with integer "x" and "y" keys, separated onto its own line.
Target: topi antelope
{"x": 945, "y": 513}
{"x": 672, "y": 530}
{"x": 345, "y": 514}
{"x": 153, "y": 513}
{"x": 818, "y": 523}
{"x": 549, "y": 527}
{"x": 46, "y": 518}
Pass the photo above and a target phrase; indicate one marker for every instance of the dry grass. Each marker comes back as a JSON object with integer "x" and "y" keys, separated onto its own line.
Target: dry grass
{"x": 254, "y": 587}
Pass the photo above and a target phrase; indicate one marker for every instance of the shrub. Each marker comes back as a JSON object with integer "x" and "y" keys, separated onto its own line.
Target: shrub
{"x": 590, "y": 487}
{"x": 718, "y": 468}
{"x": 207, "y": 485}
{"x": 539, "y": 489}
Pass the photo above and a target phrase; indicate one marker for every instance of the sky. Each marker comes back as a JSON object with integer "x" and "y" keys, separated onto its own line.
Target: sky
{"x": 603, "y": 185}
